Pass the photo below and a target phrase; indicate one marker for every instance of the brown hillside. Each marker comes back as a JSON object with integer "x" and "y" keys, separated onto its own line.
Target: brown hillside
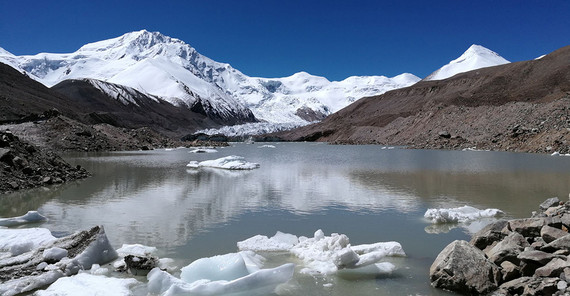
{"x": 520, "y": 106}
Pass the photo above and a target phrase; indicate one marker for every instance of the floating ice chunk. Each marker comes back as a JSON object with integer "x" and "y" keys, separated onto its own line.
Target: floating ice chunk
{"x": 98, "y": 251}
{"x": 203, "y": 150}
{"x": 370, "y": 270}
{"x": 19, "y": 241}
{"x": 323, "y": 254}
{"x": 460, "y": 214}
{"x": 29, "y": 217}
{"x": 230, "y": 274}
{"x": 222, "y": 267}
{"x": 54, "y": 254}
{"x": 559, "y": 154}
{"x": 231, "y": 162}
{"x": 266, "y": 146}
{"x": 388, "y": 248}
{"x": 261, "y": 243}
{"x": 85, "y": 284}
{"x": 136, "y": 250}
{"x": 96, "y": 269}
{"x": 329, "y": 254}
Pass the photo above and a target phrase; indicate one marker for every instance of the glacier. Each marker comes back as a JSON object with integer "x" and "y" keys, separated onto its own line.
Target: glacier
{"x": 170, "y": 69}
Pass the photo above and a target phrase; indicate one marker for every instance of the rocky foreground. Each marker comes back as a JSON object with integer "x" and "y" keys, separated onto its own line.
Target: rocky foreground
{"x": 23, "y": 165}
{"x": 511, "y": 257}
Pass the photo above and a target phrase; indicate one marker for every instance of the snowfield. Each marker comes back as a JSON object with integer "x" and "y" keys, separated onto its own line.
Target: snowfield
{"x": 170, "y": 69}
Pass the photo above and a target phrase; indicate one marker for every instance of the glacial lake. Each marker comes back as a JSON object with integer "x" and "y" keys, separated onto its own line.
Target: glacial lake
{"x": 370, "y": 193}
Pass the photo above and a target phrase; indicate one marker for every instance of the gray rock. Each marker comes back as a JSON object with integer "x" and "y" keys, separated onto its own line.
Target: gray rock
{"x": 489, "y": 234}
{"x": 463, "y": 268}
{"x": 562, "y": 285}
{"x": 550, "y": 234}
{"x": 140, "y": 265}
{"x": 529, "y": 286}
{"x": 515, "y": 287}
{"x": 562, "y": 243}
{"x": 509, "y": 271}
{"x": 508, "y": 249}
{"x": 553, "y": 269}
{"x": 529, "y": 227}
{"x": 551, "y": 202}
{"x": 566, "y": 220}
{"x": 444, "y": 134}
{"x": 535, "y": 256}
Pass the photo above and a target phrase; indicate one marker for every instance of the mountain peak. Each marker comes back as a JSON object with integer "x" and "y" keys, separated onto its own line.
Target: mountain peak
{"x": 5, "y": 52}
{"x": 475, "y": 57}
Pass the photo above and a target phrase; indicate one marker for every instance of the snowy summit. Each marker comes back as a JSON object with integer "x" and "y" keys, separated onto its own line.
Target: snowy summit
{"x": 475, "y": 57}
{"x": 170, "y": 69}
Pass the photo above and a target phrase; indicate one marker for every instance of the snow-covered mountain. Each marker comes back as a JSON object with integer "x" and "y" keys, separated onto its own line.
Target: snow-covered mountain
{"x": 475, "y": 57}
{"x": 174, "y": 71}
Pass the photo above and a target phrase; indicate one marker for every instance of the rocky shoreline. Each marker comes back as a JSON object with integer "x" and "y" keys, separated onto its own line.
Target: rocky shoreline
{"x": 511, "y": 257}
{"x": 23, "y": 166}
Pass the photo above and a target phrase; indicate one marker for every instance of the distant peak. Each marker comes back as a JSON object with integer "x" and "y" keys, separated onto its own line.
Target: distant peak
{"x": 5, "y": 52}
{"x": 475, "y": 51}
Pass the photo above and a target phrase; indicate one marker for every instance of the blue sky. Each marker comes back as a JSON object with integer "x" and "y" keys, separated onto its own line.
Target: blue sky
{"x": 335, "y": 39}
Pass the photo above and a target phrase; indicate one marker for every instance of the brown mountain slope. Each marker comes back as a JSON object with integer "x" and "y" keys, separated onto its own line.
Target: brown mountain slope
{"x": 521, "y": 106}
{"x": 24, "y": 99}
{"x": 143, "y": 111}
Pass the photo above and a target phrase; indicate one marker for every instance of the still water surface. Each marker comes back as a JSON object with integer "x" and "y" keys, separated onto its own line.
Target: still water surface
{"x": 370, "y": 193}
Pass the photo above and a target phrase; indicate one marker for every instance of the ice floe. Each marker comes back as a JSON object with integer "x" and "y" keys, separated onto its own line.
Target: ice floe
{"x": 266, "y": 146}
{"x": 230, "y": 274}
{"x": 460, "y": 214}
{"x": 29, "y": 217}
{"x": 203, "y": 150}
{"x": 559, "y": 154}
{"x": 19, "y": 241}
{"x": 52, "y": 259}
{"x": 85, "y": 284}
{"x": 329, "y": 254}
{"x": 231, "y": 162}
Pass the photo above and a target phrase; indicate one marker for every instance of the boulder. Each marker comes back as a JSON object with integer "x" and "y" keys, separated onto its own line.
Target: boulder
{"x": 536, "y": 256}
{"x": 509, "y": 271}
{"x": 508, "y": 249}
{"x": 550, "y": 234}
{"x": 551, "y": 202}
{"x": 489, "y": 234}
{"x": 529, "y": 227}
{"x": 562, "y": 243}
{"x": 463, "y": 268}
{"x": 140, "y": 265}
{"x": 553, "y": 269}
{"x": 529, "y": 286}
